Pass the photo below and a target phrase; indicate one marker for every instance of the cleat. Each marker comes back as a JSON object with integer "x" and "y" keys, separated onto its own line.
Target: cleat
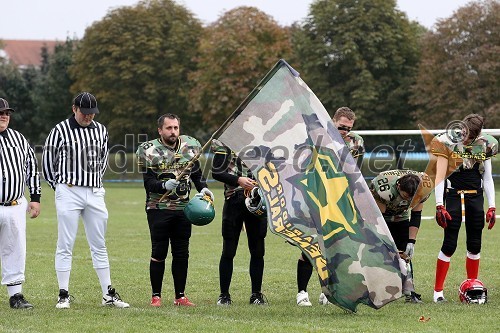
{"x": 414, "y": 298}
{"x": 183, "y": 301}
{"x": 439, "y": 297}
{"x": 64, "y": 300}
{"x": 303, "y": 299}
{"x": 224, "y": 299}
{"x": 258, "y": 299}
{"x": 112, "y": 298}
{"x": 17, "y": 301}
{"x": 156, "y": 301}
{"x": 323, "y": 300}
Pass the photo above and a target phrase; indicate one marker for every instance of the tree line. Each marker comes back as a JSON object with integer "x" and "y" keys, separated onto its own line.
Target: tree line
{"x": 156, "y": 57}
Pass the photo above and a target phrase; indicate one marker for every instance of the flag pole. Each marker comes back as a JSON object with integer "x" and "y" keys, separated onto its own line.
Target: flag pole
{"x": 233, "y": 116}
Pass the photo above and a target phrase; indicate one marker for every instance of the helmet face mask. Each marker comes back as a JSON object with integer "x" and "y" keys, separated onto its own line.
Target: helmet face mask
{"x": 473, "y": 291}
{"x": 200, "y": 210}
{"x": 255, "y": 202}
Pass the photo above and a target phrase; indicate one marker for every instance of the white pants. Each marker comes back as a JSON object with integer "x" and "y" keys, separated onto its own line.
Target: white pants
{"x": 13, "y": 241}
{"x": 87, "y": 202}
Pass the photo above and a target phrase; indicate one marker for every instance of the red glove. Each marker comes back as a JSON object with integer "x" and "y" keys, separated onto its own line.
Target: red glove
{"x": 441, "y": 216}
{"x": 490, "y": 217}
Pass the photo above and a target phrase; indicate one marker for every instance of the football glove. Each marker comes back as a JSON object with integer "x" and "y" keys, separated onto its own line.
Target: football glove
{"x": 170, "y": 184}
{"x": 410, "y": 249}
{"x": 442, "y": 216}
{"x": 206, "y": 191}
{"x": 490, "y": 217}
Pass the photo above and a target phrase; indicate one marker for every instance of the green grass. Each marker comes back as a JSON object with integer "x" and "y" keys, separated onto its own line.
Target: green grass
{"x": 129, "y": 249}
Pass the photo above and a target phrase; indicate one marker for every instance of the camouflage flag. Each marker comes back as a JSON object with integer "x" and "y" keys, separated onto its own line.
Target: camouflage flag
{"x": 316, "y": 197}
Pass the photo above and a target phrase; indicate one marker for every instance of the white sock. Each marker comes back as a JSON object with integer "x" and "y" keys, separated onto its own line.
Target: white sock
{"x": 63, "y": 279}
{"x": 104, "y": 276}
{"x": 12, "y": 290}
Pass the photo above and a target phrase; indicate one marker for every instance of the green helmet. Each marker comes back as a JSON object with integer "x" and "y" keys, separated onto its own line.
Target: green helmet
{"x": 200, "y": 210}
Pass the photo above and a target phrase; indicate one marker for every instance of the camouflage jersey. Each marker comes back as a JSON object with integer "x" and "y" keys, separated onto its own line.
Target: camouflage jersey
{"x": 384, "y": 189}
{"x": 230, "y": 166}
{"x": 159, "y": 163}
{"x": 355, "y": 144}
{"x": 465, "y": 162}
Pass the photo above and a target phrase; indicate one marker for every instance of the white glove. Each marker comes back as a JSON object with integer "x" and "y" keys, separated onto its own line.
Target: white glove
{"x": 206, "y": 191}
{"x": 410, "y": 249}
{"x": 170, "y": 184}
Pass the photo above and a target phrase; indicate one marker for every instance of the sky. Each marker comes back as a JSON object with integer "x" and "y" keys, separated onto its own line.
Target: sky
{"x": 59, "y": 19}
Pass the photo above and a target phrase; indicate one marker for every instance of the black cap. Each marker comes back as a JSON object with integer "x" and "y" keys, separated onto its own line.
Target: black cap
{"x": 86, "y": 102}
{"x": 4, "y": 105}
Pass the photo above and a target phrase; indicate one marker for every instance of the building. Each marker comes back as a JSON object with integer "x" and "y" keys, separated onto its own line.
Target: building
{"x": 25, "y": 53}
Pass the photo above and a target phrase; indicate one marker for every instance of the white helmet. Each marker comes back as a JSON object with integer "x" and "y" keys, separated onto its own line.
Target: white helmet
{"x": 255, "y": 202}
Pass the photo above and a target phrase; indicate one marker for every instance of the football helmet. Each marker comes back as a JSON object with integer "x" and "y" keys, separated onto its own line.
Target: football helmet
{"x": 255, "y": 202}
{"x": 473, "y": 291}
{"x": 200, "y": 210}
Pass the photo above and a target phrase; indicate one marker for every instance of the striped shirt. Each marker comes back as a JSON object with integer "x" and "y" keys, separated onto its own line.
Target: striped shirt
{"x": 76, "y": 155}
{"x": 19, "y": 167}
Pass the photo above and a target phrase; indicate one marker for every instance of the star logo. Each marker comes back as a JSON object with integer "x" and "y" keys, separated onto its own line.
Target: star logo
{"x": 328, "y": 189}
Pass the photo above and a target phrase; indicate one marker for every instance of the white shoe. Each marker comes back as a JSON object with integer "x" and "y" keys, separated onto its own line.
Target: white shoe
{"x": 323, "y": 300}
{"x": 439, "y": 297}
{"x": 112, "y": 298}
{"x": 303, "y": 299}
{"x": 63, "y": 302}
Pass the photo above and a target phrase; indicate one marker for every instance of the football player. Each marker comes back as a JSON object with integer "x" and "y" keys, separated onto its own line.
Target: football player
{"x": 343, "y": 119}
{"x": 400, "y": 195}
{"x": 463, "y": 174}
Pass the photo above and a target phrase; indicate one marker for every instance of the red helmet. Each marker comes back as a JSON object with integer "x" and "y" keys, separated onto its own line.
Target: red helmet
{"x": 473, "y": 291}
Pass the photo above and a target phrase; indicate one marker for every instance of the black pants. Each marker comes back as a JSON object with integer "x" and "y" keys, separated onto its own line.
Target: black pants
{"x": 169, "y": 227}
{"x": 400, "y": 232}
{"x": 234, "y": 215}
{"x": 474, "y": 222}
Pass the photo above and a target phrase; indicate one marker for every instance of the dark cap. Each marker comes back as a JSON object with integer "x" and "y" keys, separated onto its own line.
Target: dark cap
{"x": 4, "y": 105}
{"x": 86, "y": 102}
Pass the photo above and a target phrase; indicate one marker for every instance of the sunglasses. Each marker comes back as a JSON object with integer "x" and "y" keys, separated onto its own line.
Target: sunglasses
{"x": 5, "y": 113}
{"x": 344, "y": 128}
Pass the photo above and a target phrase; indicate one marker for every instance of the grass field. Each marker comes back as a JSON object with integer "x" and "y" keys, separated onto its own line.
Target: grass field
{"x": 129, "y": 249}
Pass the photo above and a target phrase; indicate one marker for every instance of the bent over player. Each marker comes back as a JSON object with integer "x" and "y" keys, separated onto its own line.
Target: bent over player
{"x": 162, "y": 160}
{"x": 397, "y": 192}
{"x": 463, "y": 172}
{"x": 75, "y": 157}
{"x": 19, "y": 169}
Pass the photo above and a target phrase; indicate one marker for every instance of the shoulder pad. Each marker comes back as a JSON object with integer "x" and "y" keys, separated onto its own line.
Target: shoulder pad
{"x": 190, "y": 141}
{"x": 490, "y": 144}
{"x": 441, "y": 145}
{"x": 218, "y": 147}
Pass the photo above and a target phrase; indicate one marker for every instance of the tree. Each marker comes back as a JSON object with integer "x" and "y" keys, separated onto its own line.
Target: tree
{"x": 235, "y": 52}
{"x": 136, "y": 61}
{"x": 362, "y": 54}
{"x": 51, "y": 92}
{"x": 460, "y": 68}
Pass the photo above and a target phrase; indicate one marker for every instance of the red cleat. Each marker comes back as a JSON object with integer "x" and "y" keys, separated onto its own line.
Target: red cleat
{"x": 156, "y": 301}
{"x": 183, "y": 301}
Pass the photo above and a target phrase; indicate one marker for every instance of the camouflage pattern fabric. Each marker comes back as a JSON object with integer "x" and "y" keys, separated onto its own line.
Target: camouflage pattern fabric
{"x": 168, "y": 164}
{"x": 384, "y": 189}
{"x": 355, "y": 144}
{"x": 315, "y": 194}
{"x": 484, "y": 147}
{"x": 235, "y": 167}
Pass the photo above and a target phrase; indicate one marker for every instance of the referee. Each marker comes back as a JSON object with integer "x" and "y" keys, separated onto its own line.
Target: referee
{"x": 75, "y": 157}
{"x": 19, "y": 168}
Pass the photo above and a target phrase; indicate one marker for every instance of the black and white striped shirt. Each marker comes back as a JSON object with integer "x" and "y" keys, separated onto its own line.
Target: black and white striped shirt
{"x": 76, "y": 155}
{"x": 19, "y": 167}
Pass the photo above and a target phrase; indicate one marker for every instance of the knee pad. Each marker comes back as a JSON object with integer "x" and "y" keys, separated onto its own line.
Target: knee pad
{"x": 474, "y": 246}
{"x": 159, "y": 251}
